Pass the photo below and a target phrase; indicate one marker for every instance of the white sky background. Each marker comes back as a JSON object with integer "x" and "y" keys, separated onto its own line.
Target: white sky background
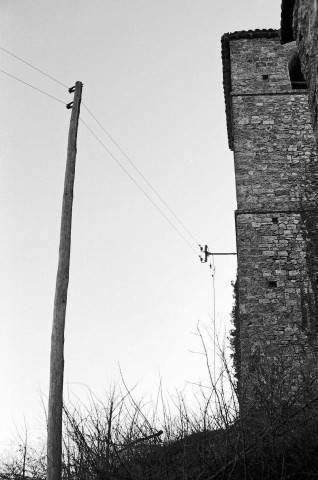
{"x": 152, "y": 75}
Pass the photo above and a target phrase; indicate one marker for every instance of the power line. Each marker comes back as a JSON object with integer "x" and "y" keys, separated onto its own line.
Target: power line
{"x": 32, "y": 66}
{"x": 115, "y": 143}
{"x": 142, "y": 176}
{"x": 32, "y": 86}
{"x": 111, "y": 154}
{"x": 137, "y": 184}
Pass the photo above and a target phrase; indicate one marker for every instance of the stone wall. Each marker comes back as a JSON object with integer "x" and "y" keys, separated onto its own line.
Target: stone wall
{"x": 305, "y": 29}
{"x": 273, "y": 148}
{"x": 253, "y": 58}
{"x": 275, "y": 169}
{"x": 275, "y": 294}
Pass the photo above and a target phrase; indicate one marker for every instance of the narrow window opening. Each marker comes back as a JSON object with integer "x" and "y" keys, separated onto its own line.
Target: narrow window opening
{"x": 265, "y": 77}
{"x": 272, "y": 284}
{"x": 275, "y": 220}
{"x": 296, "y": 77}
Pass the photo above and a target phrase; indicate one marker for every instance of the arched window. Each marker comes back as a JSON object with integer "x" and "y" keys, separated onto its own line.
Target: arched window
{"x": 296, "y": 77}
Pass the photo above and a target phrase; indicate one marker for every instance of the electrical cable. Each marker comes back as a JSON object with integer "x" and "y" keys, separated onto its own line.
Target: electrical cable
{"x": 141, "y": 174}
{"x": 110, "y": 153}
{"x": 212, "y": 267}
{"x": 35, "y": 68}
{"x": 115, "y": 143}
{"x": 140, "y": 188}
{"x": 32, "y": 86}
{"x": 113, "y": 140}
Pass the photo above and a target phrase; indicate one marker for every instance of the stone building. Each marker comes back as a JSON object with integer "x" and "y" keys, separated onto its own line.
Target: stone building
{"x": 270, "y": 133}
{"x": 299, "y": 21}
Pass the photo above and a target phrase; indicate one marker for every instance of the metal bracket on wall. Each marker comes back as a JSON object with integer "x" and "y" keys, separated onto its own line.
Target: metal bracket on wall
{"x": 206, "y": 252}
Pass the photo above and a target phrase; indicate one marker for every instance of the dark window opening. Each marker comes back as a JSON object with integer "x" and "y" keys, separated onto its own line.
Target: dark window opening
{"x": 272, "y": 283}
{"x": 265, "y": 77}
{"x": 275, "y": 220}
{"x": 296, "y": 77}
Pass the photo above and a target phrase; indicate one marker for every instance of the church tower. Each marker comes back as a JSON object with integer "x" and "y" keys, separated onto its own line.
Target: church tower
{"x": 270, "y": 133}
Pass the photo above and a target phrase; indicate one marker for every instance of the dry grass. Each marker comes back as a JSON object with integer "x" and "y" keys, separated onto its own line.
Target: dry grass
{"x": 122, "y": 438}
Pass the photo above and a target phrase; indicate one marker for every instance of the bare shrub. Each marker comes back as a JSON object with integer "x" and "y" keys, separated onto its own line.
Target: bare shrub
{"x": 212, "y": 435}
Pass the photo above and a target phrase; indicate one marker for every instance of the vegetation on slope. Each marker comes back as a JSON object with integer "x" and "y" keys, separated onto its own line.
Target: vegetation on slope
{"x": 120, "y": 438}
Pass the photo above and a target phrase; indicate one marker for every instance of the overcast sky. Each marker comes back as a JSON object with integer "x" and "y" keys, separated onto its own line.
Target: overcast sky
{"x": 152, "y": 76}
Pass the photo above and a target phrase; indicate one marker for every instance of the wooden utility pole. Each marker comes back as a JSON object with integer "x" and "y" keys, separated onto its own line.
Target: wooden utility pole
{"x": 55, "y": 407}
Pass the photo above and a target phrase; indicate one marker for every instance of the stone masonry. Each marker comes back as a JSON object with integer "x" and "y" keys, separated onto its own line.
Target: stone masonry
{"x": 300, "y": 22}
{"x": 270, "y": 133}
